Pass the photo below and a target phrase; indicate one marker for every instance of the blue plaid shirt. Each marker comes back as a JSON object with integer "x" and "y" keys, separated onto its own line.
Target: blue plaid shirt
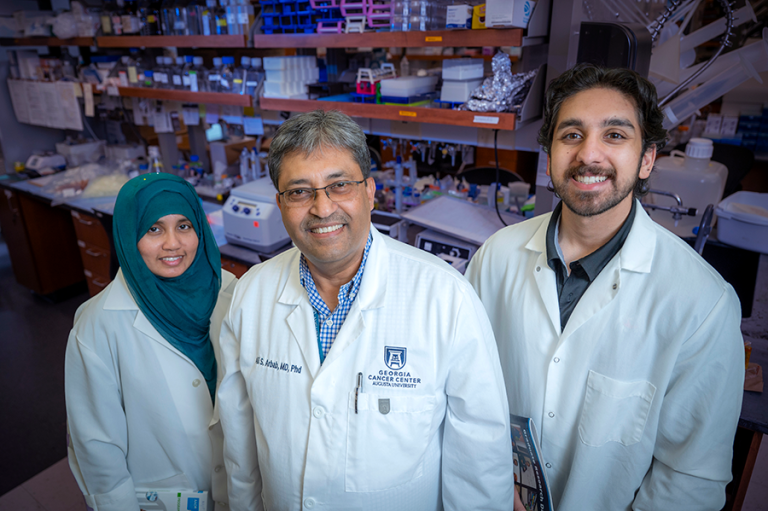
{"x": 329, "y": 323}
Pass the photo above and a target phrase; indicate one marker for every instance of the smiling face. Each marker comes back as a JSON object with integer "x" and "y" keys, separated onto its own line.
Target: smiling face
{"x": 331, "y": 235}
{"x": 596, "y": 156}
{"x": 169, "y": 246}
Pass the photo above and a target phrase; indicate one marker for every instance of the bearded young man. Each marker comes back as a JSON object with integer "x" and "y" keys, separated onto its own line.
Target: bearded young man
{"x": 620, "y": 342}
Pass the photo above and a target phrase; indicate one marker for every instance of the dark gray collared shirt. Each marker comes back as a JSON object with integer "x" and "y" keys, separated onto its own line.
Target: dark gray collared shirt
{"x": 570, "y": 288}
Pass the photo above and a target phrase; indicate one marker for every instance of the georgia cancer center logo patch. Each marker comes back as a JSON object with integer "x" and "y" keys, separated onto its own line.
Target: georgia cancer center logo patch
{"x": 395, "y": 357}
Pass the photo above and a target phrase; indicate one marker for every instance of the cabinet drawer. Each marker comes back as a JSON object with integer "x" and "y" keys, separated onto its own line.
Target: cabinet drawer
{"x": 95, "y": 259}
{"x": 89, "y": 229}
{"x": 231, "y": 266}
{"x": 96, "y": 283}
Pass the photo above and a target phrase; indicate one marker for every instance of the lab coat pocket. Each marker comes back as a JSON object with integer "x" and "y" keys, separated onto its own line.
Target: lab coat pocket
{"x": 614, "y": 410}
{"x": 386, "y": 440}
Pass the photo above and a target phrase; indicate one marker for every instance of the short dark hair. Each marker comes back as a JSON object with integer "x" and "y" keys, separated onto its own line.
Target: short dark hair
{"x": 314, "y": 131}
{"x": 584, "y": 77}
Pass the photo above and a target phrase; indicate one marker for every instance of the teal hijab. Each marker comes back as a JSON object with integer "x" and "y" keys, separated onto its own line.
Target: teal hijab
{"x": 179, "y": 308}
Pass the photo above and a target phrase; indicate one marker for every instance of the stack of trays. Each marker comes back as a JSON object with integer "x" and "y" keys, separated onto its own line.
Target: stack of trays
{"x": 460, "y": 78}
{"x": 287, "y": 77}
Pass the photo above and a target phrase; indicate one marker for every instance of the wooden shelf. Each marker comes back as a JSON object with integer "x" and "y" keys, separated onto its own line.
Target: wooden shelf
{"x": 216, "y": 98}
{"x": 489, "y": 37}
{"x": 491, "y": 120}
{"x": 449, "y": 57}
{"x": 179, "y": 41}
{"x": 46, "y": 41}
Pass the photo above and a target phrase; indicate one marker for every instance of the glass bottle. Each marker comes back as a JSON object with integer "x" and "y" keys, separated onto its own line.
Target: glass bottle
{"x": 240, "y": 75}
{"x": 213, "y": 76}
{"x": 177, "y": 71}
{"x": 197, "y": 81}
{"x": 149, "y": 15}
{"x": 220, "y": 15}
{"x": 254, "y": 76}
{"x": 160, "y": 73}
{"x": 226, "y": 79}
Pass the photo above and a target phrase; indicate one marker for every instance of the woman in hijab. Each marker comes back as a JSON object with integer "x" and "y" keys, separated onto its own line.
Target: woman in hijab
{"x": 141, "y": 361}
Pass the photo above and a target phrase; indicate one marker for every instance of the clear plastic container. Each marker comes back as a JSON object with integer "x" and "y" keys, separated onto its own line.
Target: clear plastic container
{"x": 696, "y": 179}
{"x": 254, "y": 77}
{"x": 458, "y": 91}
{"x": 462, "y": 69}
{"x": 743, "y": 221}
{"x": 408, "y": 86}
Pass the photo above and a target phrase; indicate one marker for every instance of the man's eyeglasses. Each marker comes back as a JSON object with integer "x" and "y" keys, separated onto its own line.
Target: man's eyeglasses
{"x": 337, "y": 192}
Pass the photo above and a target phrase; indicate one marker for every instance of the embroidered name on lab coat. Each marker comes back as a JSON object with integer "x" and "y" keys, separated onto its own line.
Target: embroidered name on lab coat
{"x": 278, "y": 366}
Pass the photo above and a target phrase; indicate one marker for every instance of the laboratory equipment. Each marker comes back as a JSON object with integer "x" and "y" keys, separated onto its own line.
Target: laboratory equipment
{"x": 390, "y": 224}
{"x": 452, "y": 250}
{"x": 47, "y": 160}
{"x": 155, "y": 161}
{"x": 458, "y": 218}
{"x": 744, "y": 221}
{"x": 252, "y": 218}
{"x": 696, "y": 179}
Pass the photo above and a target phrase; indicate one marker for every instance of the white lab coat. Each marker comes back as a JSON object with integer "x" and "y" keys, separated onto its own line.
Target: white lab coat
{"x": 292, "y": 437}
{"x": 642, "y": 390}
{"x": 139, "y": 411}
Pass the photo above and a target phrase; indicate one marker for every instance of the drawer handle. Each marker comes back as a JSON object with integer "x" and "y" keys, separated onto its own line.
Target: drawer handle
{"x": 84, "y": 222}
{"x": 97, "y": 282}
{"x": 93, "y": 253}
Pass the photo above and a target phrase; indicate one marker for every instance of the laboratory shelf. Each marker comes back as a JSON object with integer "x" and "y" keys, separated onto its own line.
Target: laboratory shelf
{"x": 449, "y": 57}
{"x": 46, "y": 41}
{"x": 216, "y": 98}
{"x": 488, "y": 37}
{"x": 493, "y": 120}
{"x": 178, "y": 41}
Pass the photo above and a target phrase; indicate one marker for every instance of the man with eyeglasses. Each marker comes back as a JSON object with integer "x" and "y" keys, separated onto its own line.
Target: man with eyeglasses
{"x": 358, "y": 372}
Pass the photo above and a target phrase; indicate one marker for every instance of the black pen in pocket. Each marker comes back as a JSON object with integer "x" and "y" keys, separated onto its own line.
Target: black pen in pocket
{"x": 359, "y": 388}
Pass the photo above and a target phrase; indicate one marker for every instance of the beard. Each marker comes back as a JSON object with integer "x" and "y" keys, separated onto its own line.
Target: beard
{"x": 591, "y": 203}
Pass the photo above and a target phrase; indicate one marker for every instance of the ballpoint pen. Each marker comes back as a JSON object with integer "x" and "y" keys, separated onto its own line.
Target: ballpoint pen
{"x": 359, "y": 388}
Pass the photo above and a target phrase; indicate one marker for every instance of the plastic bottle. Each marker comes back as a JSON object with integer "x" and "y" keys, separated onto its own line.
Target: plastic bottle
{"x": 195, "y": 9}
{"x": 130, "y": 19}
{"x": 150, "y": 17}
{"x": 118, "y": 76}
{"x": 195, "y": 166}
{"x": 254, "y": 76}
{"x": 245, "y": 165}
{"x": 149, "y": 79}
{"x": 197, "y": 82}
{"x": 240, "y": 75}
{"x": 117, "y": 19}
{"x": 226, "y": 81}
{"x": 230, "y": 7}
{"x": 160, "y": 73}
{"x": 213, "y": 76}
{"x": 208, "y": 18}
{"x": 405, "y": 67}
{"x": 177, "y": 71}
{"x": 187, "y": 64}
{"x": 696, "y": 179}
{"x": 155, "y": 162}
{"x": 399, "y": 184}
{"x": 220, "y": 17}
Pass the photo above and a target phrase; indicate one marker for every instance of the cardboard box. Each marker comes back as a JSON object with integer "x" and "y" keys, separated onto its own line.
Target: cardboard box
{"x": 508, "y": 13}
{"x": 478, "y": 17}
{"x": 458, "y": 16}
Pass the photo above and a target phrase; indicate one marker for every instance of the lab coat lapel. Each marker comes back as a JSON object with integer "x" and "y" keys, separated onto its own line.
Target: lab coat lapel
{"x": 373, "y": 291}
{"x": 120, "y": 298}
{"x": 543, "y": 274}
{"x": 301, "y": 321}
{"x": 635, "y": 256}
